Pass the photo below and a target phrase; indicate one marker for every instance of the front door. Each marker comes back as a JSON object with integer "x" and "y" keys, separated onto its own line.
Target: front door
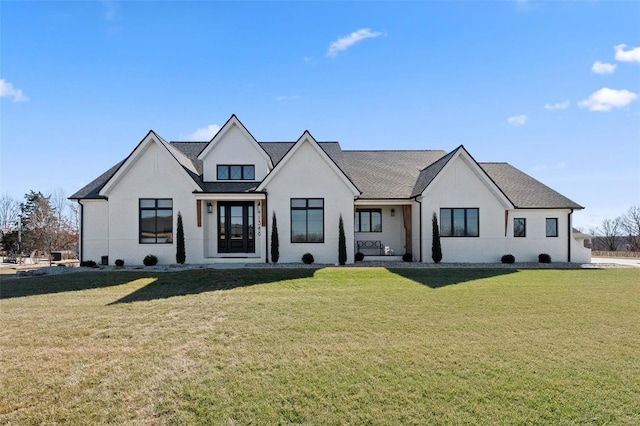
{"x": 235, "y": 227}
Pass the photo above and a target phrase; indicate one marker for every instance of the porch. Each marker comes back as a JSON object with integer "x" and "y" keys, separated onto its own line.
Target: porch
{"x": 382, "y": 229}
{"x": 233, "y": 227}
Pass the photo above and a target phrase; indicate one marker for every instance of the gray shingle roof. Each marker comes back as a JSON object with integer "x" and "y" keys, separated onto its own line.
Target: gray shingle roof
{"x": 386, "y": 174}
{"x": 92, "y": 189}
{"x": 525, "y": 191}
{"x": 377, "y": 174}
{"x": 429, "y": 173}
{"x": 229, "y": 187}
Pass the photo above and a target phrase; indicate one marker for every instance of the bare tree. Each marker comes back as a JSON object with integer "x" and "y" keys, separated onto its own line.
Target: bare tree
{"x": 9, "y": 212}
{"x": 631, "y": 226}
{"x": 609, "y": 233}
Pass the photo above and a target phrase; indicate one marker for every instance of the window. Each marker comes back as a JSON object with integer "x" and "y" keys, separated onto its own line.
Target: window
{"x": 459, "y": 222}
{"x": 156, "y": 221}
{"x": 236, "y": 172}
{"x": 307, "y": 220}
{"x": 552, "y": 226}
{"x": 519, "y": 227}
{"x": 368, "y": 220}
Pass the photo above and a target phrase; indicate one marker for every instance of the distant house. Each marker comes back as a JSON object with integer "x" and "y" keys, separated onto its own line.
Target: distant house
{"x": 228, "y": 189}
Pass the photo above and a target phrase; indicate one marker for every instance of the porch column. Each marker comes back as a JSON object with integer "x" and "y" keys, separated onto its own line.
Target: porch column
{"x": 406, "y": 216}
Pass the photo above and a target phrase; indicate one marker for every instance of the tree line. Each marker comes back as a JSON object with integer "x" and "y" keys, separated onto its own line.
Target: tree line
{"x": 621, "y": 233}
{"x": 40, "y": 223}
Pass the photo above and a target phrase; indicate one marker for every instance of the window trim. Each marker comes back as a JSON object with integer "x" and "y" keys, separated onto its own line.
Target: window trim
{"x": 306, "y": 210}
{"x": 546, "y": 227}
{"x": 358, "y": 228}
{"x": 524, "y": 227}
{"x": 242, "y": 171}
{"x": 465, "y": 209}
{"x": 155, "y": 209}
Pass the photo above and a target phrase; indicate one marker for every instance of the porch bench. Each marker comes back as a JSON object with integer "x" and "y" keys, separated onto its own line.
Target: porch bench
{"x": 372, "y": 245}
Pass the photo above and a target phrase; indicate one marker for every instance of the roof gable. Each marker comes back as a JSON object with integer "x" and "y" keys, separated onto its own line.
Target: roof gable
{"x": 232, "y": 123}
{"x": 306, "y": 138}
{"x": 432, "y": 173}
{"x": 186, "y": 166}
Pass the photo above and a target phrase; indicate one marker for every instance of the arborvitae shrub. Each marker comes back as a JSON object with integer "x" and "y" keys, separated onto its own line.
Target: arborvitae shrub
{"x": 307, "y": 258}
{"x": 181, "y": 254}
{"x": 342, "y": 243}
{"x": 275, "y": 241}
{"x": 508, "y": 258}
{"x": 150, "y": 260}
{"x": 436, "y": 247}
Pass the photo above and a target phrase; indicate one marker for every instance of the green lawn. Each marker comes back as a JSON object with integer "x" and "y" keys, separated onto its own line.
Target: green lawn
{"x": 327, "y": 346}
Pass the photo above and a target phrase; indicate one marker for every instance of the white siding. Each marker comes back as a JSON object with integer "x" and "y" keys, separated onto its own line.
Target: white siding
{"x": 154, "y": 175}
{"x": 459, "y": 186}
{"x": 307, "y": 175}
{"x": 234, "y": 148}
{"x": 95, "y": 230}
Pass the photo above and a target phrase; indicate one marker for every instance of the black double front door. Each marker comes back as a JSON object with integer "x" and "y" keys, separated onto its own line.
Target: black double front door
{"x": 236, "y": 227}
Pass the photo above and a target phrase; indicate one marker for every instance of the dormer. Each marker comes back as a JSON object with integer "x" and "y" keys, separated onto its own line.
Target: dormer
{"x": 234, "y": 155}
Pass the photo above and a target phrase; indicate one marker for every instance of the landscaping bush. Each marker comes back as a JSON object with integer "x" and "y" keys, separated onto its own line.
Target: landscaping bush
{"x": 150, "y": 260}
{"x": 359, "y": 256}
{"x": 407, "y": 257}
{"x": 307, "y": 258}
{"x": 89, "y": 264}
{"x": 119, "y": 263}
{"x": 508, "y": 258}
{"x": 544, "y": 258}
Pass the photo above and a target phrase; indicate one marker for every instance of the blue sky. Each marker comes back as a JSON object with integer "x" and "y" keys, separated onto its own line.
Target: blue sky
{"x": 550, "y": 87}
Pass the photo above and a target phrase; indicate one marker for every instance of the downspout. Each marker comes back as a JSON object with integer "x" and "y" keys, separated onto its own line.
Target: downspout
{"x": 569, "y": 236}
{"x": 419, "y": 228}
{"x": 81, "y": 232}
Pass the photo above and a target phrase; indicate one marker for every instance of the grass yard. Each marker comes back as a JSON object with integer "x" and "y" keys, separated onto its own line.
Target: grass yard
{"x": 326, "y": 346}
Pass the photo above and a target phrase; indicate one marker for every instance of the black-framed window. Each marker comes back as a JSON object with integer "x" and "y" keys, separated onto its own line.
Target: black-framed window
{"x": 519, "y": 227}
{"x": 236, "y": 172}
{"x": 460, "y": 222}
{"x": 551, "y": 225}
{"x": 156, "y": 221}
{"x": 368, "y": 220}
{"x": 307, "y": 220}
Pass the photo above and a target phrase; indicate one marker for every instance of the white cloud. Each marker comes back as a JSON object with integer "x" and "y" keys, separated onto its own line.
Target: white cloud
{"x": 603, "y": 68}
{"x": 517, "y": 120}
{"x": 110, "y": 10}
{"x": 622, "y": 55}
{"x": 606, "y": 99}
{"x": 557, "y": 106}
{"x": 7, "y": 90}
{"x": 203, "y": 133}
{"x": 347, "y": 41}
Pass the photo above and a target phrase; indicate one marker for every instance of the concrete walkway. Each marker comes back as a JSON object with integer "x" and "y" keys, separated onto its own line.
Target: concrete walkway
{"x": 624, "y": 261}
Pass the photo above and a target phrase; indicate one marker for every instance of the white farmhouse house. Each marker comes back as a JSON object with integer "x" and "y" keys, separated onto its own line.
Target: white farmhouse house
{"x": 228, "y": 190}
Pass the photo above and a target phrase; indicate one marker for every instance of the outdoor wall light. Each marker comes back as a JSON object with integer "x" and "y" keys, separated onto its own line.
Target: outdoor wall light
{"x": 393, "y": 212}
{"x": 209, "y": 208}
